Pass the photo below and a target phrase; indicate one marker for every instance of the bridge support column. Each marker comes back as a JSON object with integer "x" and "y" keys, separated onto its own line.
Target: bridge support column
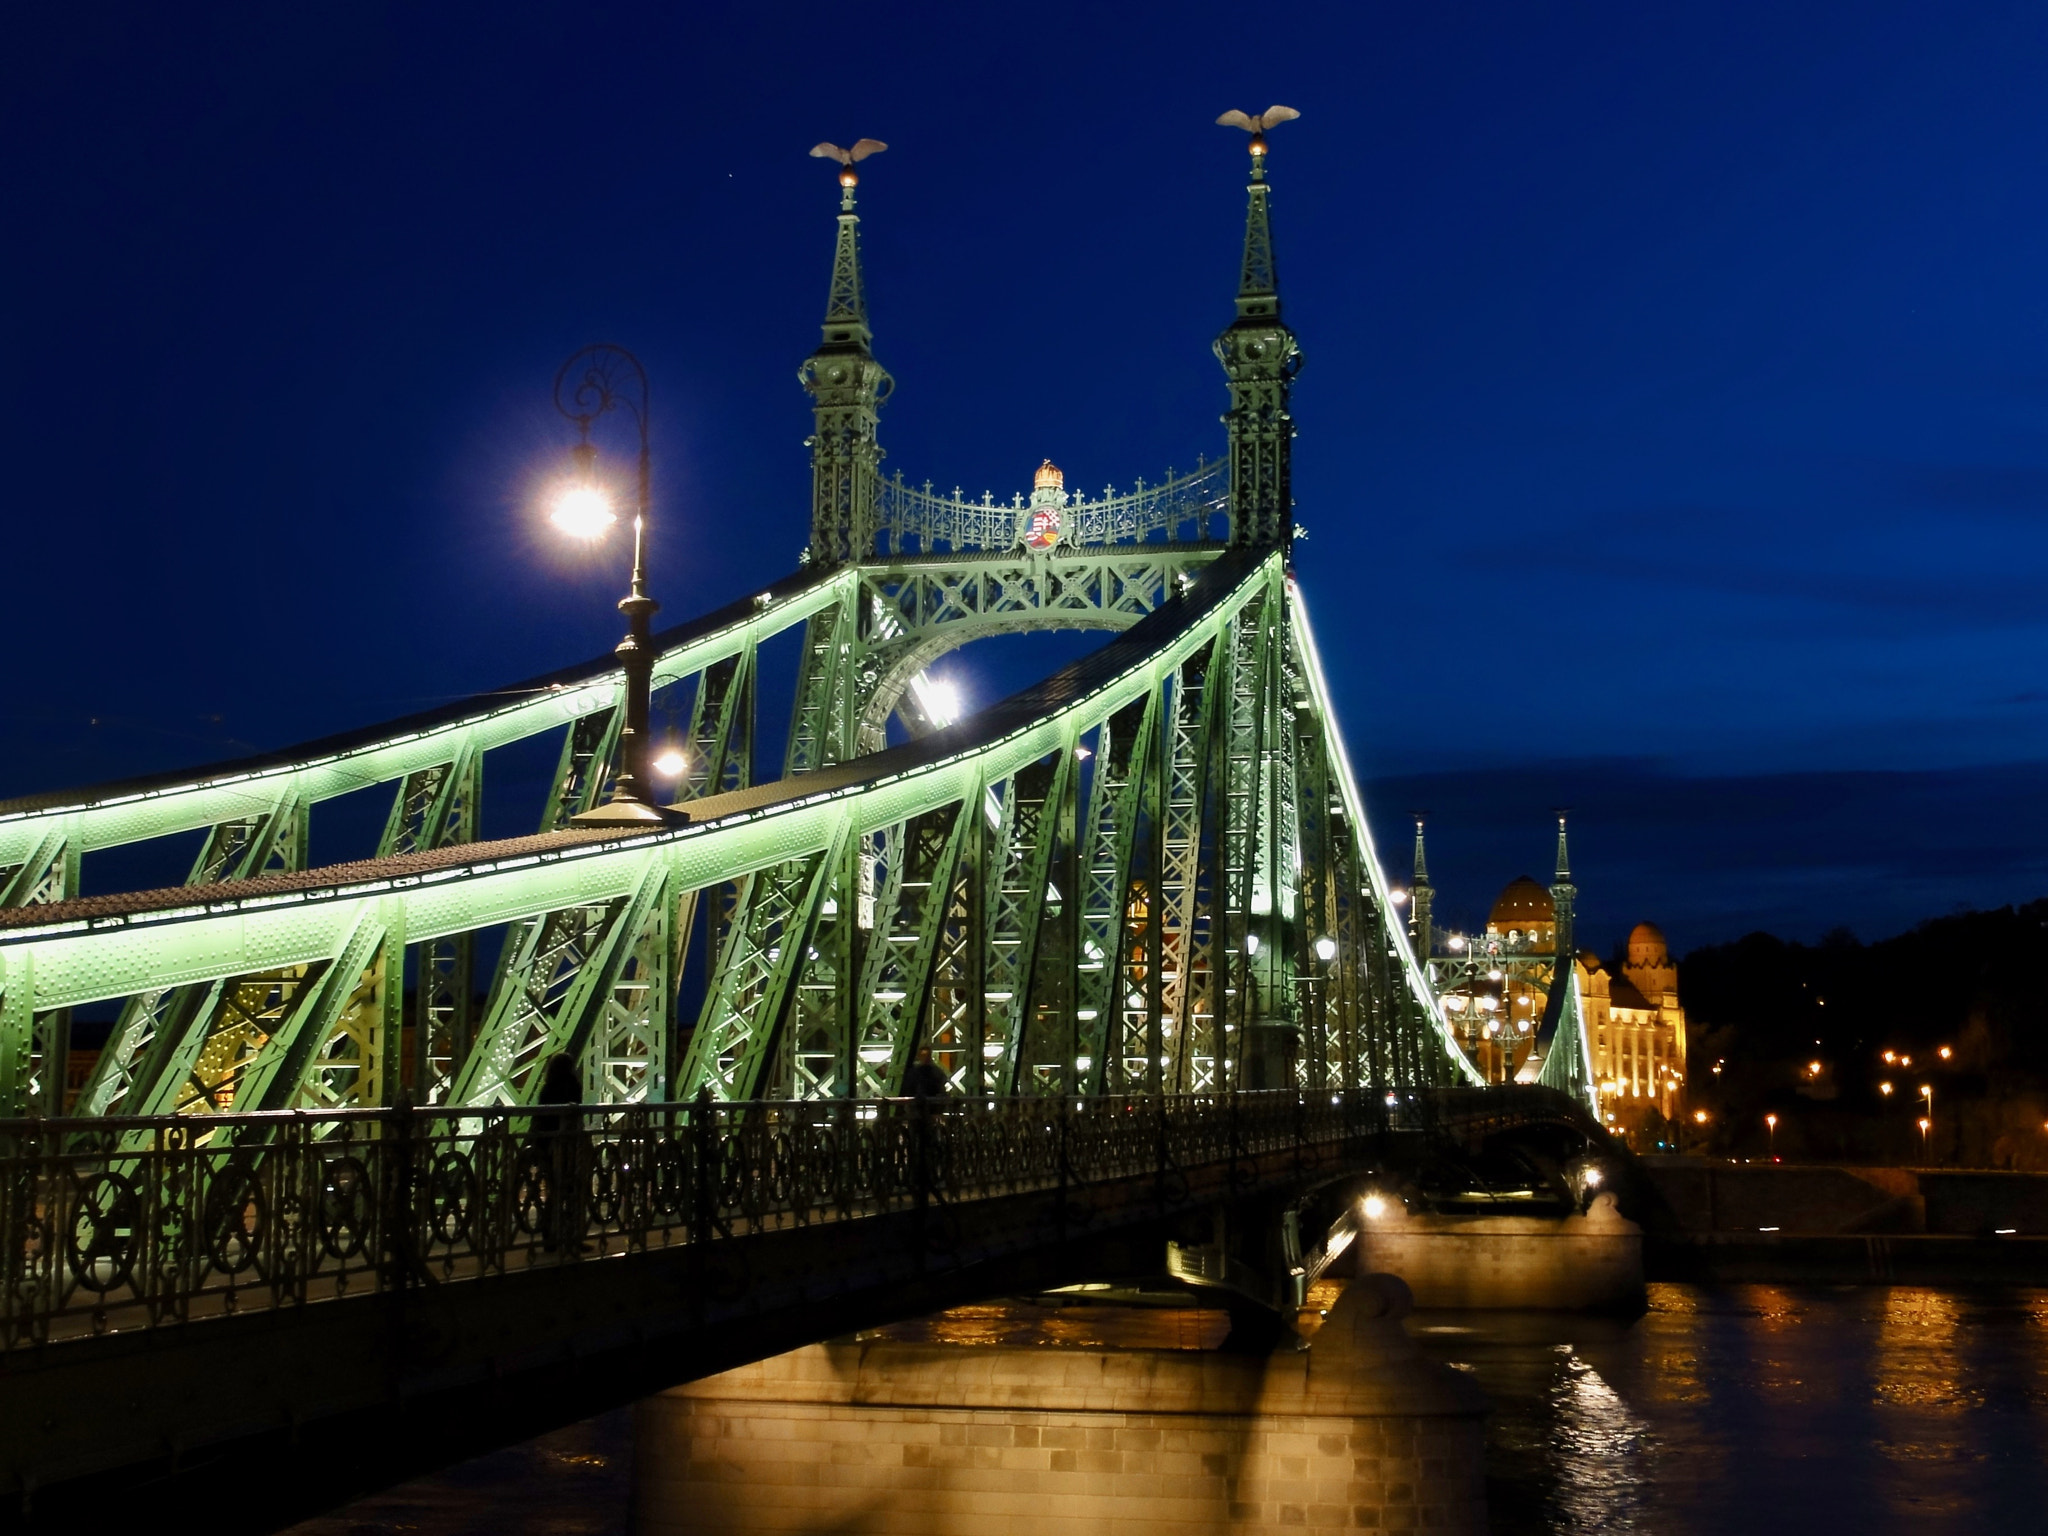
{"x": 1589, "y": 1263}
{"x": 1357, "y": 1432}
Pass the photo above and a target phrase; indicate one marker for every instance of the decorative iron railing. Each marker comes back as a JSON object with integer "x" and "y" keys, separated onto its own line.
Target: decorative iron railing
{"x": 117, "y": 1225}
{"x": 1190, "y": 507}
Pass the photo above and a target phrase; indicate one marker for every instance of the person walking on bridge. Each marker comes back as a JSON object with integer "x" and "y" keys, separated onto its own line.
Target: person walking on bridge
{"x": 561, "y": 1149}
{"x": 924, "y": 1080}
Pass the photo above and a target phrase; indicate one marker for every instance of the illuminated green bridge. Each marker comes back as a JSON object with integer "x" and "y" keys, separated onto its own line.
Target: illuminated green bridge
{"x": 1134, "y": 913}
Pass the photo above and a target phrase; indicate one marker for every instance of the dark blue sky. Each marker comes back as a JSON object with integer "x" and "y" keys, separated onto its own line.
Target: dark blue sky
{"x": 1674, "y": 435}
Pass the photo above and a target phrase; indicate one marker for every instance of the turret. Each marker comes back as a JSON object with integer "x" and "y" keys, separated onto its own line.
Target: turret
{"x": 1421, "y": 896}
{"x": 1260, "y": 358}
{"x": 847, "y": 387}
{"x": 1562, "y": 893}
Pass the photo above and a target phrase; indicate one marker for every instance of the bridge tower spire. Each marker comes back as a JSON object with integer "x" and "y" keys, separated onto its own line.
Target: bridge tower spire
{"x": 1562, "y": 894}
{"x": 1260, "y": 358}
{"x": 847, "y": 387}
{"x": 1421, "y": 897}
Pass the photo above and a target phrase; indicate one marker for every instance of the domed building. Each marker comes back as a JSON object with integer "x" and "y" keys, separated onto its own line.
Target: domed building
{"x": 1524, "y": 915}
{"x": 1636, "y": 1027}
{"x": 1496, "y": 988}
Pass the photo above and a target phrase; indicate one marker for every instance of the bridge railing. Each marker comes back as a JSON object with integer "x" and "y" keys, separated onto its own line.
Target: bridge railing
{"x": 112, "y": 1225}
{"x": 916, "y": 519}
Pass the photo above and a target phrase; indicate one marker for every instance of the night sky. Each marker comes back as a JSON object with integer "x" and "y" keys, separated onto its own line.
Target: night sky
{"x": 1673, "y": 435}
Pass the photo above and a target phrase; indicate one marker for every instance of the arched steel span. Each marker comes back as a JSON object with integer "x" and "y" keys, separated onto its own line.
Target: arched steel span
{"x": 1150, "y": 873}
{"x": 1153, "y": 879}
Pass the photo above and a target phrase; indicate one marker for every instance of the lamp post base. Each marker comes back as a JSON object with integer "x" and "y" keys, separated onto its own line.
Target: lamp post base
{"x": 630, "y": 816}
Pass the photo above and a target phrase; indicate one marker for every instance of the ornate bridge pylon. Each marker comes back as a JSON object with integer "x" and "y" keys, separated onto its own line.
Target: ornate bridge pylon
{"x": 1150, "y": 873}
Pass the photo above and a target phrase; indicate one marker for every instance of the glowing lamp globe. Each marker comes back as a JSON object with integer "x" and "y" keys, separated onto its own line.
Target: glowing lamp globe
{"x": 582, "y": 512}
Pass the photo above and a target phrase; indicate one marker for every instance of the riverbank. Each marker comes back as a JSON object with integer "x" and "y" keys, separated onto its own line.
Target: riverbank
{"x": 1708, "y": 1220}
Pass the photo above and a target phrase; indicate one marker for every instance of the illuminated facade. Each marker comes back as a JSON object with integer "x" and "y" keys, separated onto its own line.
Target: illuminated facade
{"x": 1499, "y": 993}
{"x": 1637, "y": 1029}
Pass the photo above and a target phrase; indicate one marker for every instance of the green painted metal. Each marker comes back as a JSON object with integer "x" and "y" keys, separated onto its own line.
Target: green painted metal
{"x": 589, "y": 909}
{"x": 1260, "y": 357}
{"x": 306, "y": 776}
{"x": 847, "y": 387}
{"x": 1153, "y": 874}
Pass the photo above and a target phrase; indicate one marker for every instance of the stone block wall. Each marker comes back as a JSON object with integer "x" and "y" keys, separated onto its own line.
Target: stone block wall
{"x": 1590, "y": 1263}
{"x": 1358, "y": 1433}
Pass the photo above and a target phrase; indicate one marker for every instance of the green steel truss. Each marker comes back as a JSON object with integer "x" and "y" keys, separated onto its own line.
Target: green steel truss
{"x": 1149, "y": 874}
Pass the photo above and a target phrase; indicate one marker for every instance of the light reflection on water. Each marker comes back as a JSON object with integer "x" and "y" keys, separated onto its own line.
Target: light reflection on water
{"x": 1736, "y": 1411}
{"x": 1766, "y": 1409}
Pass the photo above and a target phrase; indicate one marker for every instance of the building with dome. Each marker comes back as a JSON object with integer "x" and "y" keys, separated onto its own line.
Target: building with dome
{"x": 1500, "y": 995}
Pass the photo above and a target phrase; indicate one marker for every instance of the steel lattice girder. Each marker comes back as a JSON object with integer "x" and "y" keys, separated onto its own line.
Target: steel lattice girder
{"x": 132, "y": 812}
{"x": 795, "y": 835}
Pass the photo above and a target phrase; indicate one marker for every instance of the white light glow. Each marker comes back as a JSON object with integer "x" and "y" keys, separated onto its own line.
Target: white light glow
{"x": 1251, "y": 943}
{"x": 1326, "y": 948}
{"x": 583, "y": 512}
{"x": 1375, "y": 1207}
{"x": 938, "y": 698}
{"x": 669, "y": 764}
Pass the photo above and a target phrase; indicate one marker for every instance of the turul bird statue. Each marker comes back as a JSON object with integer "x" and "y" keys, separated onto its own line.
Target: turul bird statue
{"x": 862, "y": 148}
{"x": 1272, "y": 117}
{"x": 849, "y": 178}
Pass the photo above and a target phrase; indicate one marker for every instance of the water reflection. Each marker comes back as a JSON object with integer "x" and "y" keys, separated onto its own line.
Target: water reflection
{"x": 1737, "y": 1411}
{"x": 1766, "y": 1409}
{"x": 1598, "y": 1453}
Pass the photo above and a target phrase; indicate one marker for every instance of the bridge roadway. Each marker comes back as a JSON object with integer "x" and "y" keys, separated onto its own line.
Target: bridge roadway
{"x": 273, "y": 1314}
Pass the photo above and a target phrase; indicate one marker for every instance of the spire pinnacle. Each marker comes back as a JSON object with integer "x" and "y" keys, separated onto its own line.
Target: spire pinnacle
{"x": 1421, "y": 898}
{"x": 1260, "y": 357}
{"x": 1258, "y": 287}
{"x": 847, "y": 387}
{"x": 846, "y": 309}
{"x": 1564, "y": 859}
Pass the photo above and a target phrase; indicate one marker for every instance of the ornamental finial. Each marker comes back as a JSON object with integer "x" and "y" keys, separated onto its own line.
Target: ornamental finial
{"x": 1272, "y": 117}
{"x": 849, "y": 178}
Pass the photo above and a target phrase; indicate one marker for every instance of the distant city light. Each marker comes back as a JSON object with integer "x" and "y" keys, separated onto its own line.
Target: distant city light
{"x": 1699, "y": 1117}
{"x": 582, "y": 511}
{"x": 1885, "y": 1089}
{"x": 1945, "y": 1053}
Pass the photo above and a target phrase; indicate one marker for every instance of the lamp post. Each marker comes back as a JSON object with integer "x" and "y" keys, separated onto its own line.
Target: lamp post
{"x": 592, "y": 383}
{"x": 1927, "y": 1122}
{"x": 1771, "y": 1125}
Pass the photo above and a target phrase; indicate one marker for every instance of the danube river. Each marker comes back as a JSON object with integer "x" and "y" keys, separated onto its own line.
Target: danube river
{"x": 1731, "y": 1411}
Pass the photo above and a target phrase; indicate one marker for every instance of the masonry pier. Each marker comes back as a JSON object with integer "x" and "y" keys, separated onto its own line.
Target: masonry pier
{"x": 1580, "y": 1263}
{"x": 1355, "y": 1432}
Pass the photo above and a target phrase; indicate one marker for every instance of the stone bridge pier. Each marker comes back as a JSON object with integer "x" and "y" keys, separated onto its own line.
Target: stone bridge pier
{"x": 1356, "y": 1431}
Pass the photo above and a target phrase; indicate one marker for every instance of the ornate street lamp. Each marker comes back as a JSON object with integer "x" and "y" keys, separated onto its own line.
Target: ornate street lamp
{"x": 593, "y": 382}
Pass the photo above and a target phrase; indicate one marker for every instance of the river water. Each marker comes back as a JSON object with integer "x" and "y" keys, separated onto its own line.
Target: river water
{"x": 1765, "y": 1409}
{"x": 1728, "y": 1411}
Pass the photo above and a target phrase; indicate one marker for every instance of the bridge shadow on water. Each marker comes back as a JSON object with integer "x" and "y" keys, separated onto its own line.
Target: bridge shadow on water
{"x": 1752, "y": 1409}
